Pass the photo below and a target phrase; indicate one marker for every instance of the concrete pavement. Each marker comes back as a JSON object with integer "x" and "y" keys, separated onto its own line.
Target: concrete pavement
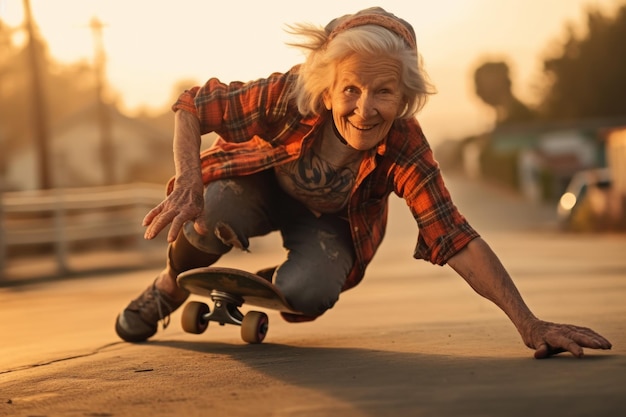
{"x": 412, "y": 340}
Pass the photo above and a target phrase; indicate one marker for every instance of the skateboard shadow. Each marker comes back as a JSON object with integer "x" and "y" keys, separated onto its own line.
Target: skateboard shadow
{"x": 375, "y": 382}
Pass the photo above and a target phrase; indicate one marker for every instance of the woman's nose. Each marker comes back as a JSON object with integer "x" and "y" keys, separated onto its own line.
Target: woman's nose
{"x": 366, "y": 106}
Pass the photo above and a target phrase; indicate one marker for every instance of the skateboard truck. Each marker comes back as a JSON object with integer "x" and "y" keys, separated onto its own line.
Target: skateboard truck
{"x": 225, "y": 308}
{"x": 197, "y": 315}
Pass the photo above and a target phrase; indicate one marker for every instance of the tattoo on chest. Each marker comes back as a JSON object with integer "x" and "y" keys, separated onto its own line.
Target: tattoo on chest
{"x": 317, "y": 183}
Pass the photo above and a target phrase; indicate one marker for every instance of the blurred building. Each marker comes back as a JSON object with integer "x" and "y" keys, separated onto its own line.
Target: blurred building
{"x": 580, "y": 166}
{"x": 538, "y": 159}
{"x": 141, "y": 152}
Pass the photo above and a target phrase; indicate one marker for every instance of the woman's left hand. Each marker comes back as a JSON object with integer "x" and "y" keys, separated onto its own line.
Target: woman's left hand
{"x": 552, "y": 338}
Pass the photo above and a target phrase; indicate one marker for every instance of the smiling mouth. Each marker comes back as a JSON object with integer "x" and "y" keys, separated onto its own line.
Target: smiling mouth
{"x": 363, "y": 128}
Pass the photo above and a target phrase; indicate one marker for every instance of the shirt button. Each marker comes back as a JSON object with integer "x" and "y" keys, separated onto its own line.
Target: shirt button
{"x": 356, "y": 228}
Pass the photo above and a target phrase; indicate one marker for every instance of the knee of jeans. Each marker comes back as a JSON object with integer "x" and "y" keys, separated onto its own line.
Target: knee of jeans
{"x": 311, "y": 300}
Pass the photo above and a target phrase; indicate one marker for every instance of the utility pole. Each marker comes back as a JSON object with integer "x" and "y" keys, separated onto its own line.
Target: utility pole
{"x": 5, "y": 42}
{"x": 39, "y": 107}
{"x": 107, "y": 153}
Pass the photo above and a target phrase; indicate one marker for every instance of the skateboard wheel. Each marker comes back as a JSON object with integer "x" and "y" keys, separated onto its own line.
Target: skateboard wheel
{"x": 192, "y": 319}
{"x": 254, "y": 327}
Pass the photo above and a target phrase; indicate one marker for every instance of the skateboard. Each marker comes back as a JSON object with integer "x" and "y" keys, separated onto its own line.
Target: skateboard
{"x": 229, "y": 289}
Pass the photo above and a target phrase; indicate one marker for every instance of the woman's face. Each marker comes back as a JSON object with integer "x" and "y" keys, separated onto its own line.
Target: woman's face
{"x": 365, "y": 99}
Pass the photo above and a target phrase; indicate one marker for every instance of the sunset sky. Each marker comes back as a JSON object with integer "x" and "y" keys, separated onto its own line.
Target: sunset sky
{"x": 153, "y": 44}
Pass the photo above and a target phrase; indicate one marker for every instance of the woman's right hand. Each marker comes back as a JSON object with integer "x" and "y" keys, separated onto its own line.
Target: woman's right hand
{"x": 184, "y": 203}
{"x": 186, "y": 200}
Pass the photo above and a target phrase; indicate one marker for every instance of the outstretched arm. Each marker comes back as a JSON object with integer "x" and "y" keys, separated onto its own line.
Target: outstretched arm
{"x": 186, "y": 201}
{"x": 484, "y": 272}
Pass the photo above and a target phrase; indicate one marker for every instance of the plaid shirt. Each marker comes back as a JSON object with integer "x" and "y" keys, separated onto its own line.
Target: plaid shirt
{"x": 260, "y": 128}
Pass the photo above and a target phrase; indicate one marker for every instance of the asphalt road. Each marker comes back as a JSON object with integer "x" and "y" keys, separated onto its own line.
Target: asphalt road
{"x": 412, "y": 340}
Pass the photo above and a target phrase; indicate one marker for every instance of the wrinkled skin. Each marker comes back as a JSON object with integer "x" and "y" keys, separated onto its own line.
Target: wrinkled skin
{"x": 186, "y": 201}
{"x": 365, "y": 99}
{"x": 482, "y": 269}
{"x": 552, "y": 338}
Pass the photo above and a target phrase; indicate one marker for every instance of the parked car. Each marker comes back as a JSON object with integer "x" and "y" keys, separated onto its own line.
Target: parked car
{"x": 584, "y": 200}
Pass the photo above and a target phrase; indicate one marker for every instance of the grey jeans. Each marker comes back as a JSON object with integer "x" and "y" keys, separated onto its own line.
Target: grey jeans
{"x": 320, "y": 252}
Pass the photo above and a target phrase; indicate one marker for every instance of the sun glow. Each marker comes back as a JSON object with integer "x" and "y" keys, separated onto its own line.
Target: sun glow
{"x": 151, "y": 45}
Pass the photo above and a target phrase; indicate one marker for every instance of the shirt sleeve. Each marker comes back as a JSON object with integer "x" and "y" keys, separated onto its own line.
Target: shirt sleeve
{"x": 238, "y": 111}
{"x": 186, "y": 101}
{"x": 443, "y": 230}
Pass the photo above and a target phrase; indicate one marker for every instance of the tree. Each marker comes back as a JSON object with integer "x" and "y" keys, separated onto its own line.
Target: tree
{"x": 67, "y": 88}
{"x": 586, "y": 78}
{"x": 493, "y": 85}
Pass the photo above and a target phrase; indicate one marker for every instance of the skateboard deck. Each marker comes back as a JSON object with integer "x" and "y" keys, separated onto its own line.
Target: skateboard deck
{"x": 253, "y": 289}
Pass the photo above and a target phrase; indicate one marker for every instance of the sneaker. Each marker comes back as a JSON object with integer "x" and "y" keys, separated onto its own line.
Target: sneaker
{"x": 140, "y": 319}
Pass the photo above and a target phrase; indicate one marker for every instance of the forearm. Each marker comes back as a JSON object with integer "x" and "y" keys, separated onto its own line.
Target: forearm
{"x": 185, "y": 200}
{"x": 484, "y": 272}
{"x": 186, "y": 145}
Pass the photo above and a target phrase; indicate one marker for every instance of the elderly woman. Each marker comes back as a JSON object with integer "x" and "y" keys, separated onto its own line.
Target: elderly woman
{"x": 315, "y": 153}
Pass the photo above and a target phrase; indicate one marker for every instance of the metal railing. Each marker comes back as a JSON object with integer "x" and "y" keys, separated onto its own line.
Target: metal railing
{"x": 60, "y": 217}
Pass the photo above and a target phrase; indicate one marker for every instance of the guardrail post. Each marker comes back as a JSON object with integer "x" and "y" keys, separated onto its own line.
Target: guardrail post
{"x": 138, "y": 213}
{"x": 60, "y": 223}
{"x": 3, "y": 246}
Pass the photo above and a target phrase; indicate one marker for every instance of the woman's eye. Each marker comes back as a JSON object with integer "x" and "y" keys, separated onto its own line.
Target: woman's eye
{"x": 385, "y": 91}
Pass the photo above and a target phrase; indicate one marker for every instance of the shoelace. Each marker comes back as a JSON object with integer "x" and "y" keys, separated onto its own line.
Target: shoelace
{"x": 165, "y": 318}
{"x": 156, "y": 297}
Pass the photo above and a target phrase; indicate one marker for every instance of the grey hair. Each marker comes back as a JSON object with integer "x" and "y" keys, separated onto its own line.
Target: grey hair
{"x": 317, "y": 73}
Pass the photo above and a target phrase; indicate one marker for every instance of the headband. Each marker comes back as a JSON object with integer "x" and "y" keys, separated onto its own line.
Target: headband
{"x": 385, "y": 21}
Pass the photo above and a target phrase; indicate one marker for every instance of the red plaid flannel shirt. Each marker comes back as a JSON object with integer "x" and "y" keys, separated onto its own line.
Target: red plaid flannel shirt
{"x": 260, "y": 128}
